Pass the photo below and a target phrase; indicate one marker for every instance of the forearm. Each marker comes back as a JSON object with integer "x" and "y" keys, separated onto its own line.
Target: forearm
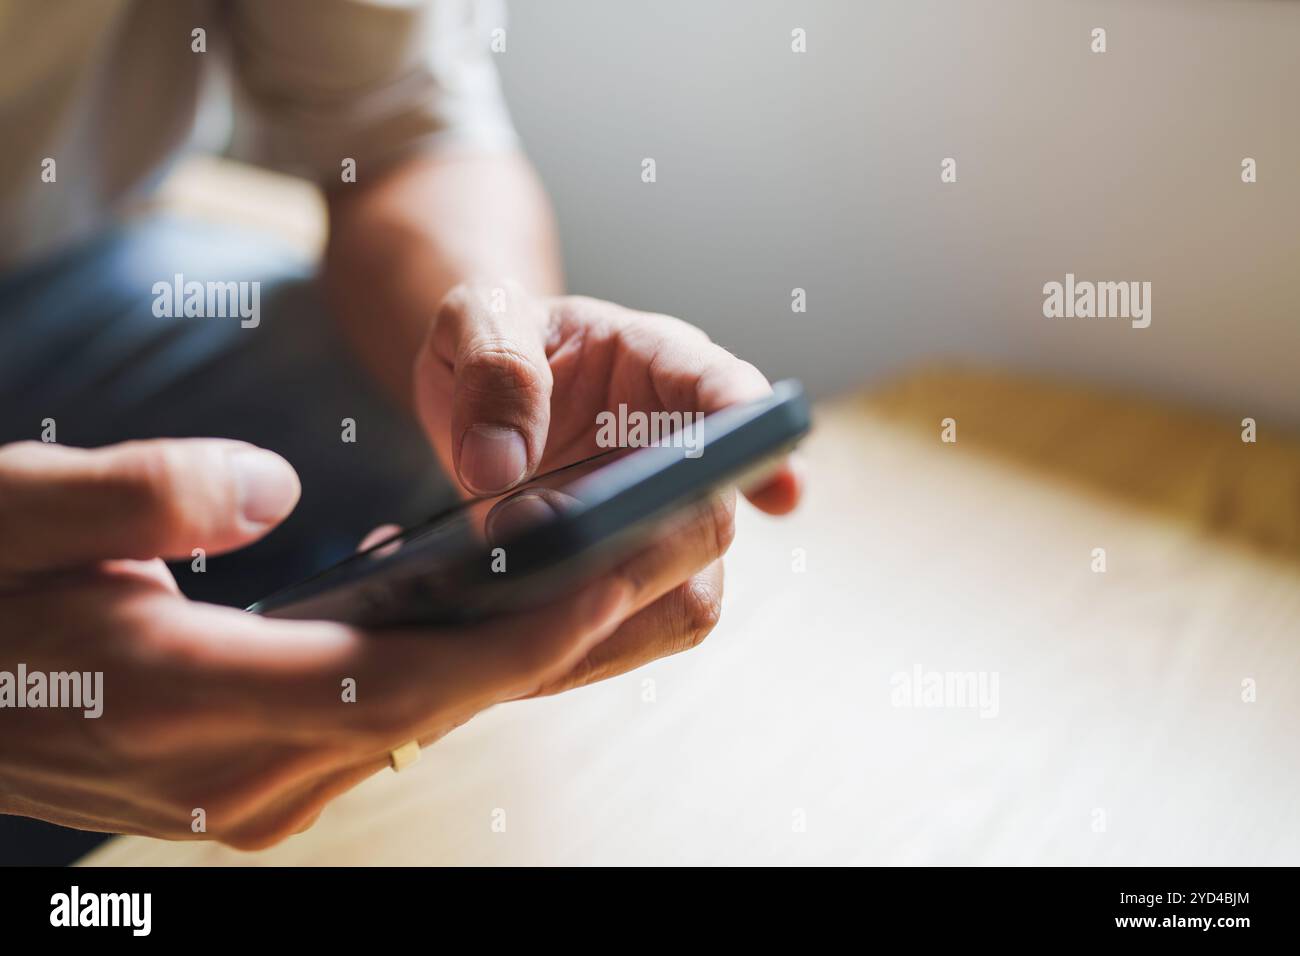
{"x": 399, "y": 244}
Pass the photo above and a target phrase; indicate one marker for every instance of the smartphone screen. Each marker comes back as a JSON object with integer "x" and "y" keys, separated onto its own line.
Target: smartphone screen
{"x": 443, "y": 555}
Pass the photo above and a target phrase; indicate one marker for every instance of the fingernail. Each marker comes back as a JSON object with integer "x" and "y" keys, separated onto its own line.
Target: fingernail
{"x": 267, "y": 485}
{"x": 492, "y": 458}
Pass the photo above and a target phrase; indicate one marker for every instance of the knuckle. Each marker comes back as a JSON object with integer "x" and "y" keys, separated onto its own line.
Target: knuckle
{"x": 720, "y": 524}
{"x": 582, "y": 309}
{"x": 583, "y": 673}
{"x": 152, "y": 486}
{"x": 249, "y": 839}
{"x": 591, "y": 319}
{"x": 454, "y": 305}
{"x": 310, "y": 822}
{"x": 726, "y": 376}
{"x": 680, "y": 327}
{"x": 222, "y": 810}
{"x": 230, "y": 804}
{"x": 569, "y": 310}
{"x": 497, "y": 366}
{"x": 701, "y": 611}
{"x": 266, "y": 829}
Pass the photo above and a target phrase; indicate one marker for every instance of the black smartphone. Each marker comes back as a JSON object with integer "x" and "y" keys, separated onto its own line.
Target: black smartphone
{"x": 498, "y": 555}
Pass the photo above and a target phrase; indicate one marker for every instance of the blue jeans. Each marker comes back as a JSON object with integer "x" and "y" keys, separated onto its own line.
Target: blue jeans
{"x": 80, "y": 344}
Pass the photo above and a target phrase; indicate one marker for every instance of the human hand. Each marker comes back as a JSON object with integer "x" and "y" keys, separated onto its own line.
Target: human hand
{"x": 509, "y": 385}
{"x": 218, "y": 724}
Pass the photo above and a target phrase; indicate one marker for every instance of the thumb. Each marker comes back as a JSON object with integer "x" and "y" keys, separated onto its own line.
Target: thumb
{"x": 492, "y": 340}
{"x": 63, "y": 506}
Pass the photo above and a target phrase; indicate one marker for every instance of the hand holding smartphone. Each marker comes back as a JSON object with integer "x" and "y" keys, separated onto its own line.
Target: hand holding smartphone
{"x": 536, "y": 543}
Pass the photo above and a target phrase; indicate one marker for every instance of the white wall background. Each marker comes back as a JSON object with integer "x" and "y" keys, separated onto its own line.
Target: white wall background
{"x": 821, "y": 170}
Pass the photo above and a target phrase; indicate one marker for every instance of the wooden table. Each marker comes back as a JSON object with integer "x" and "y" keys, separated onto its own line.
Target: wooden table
{"x": 1120, "y": 734}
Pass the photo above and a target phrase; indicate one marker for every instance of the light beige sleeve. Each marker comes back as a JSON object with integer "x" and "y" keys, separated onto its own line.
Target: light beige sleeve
{"x": 368, "y": 80}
